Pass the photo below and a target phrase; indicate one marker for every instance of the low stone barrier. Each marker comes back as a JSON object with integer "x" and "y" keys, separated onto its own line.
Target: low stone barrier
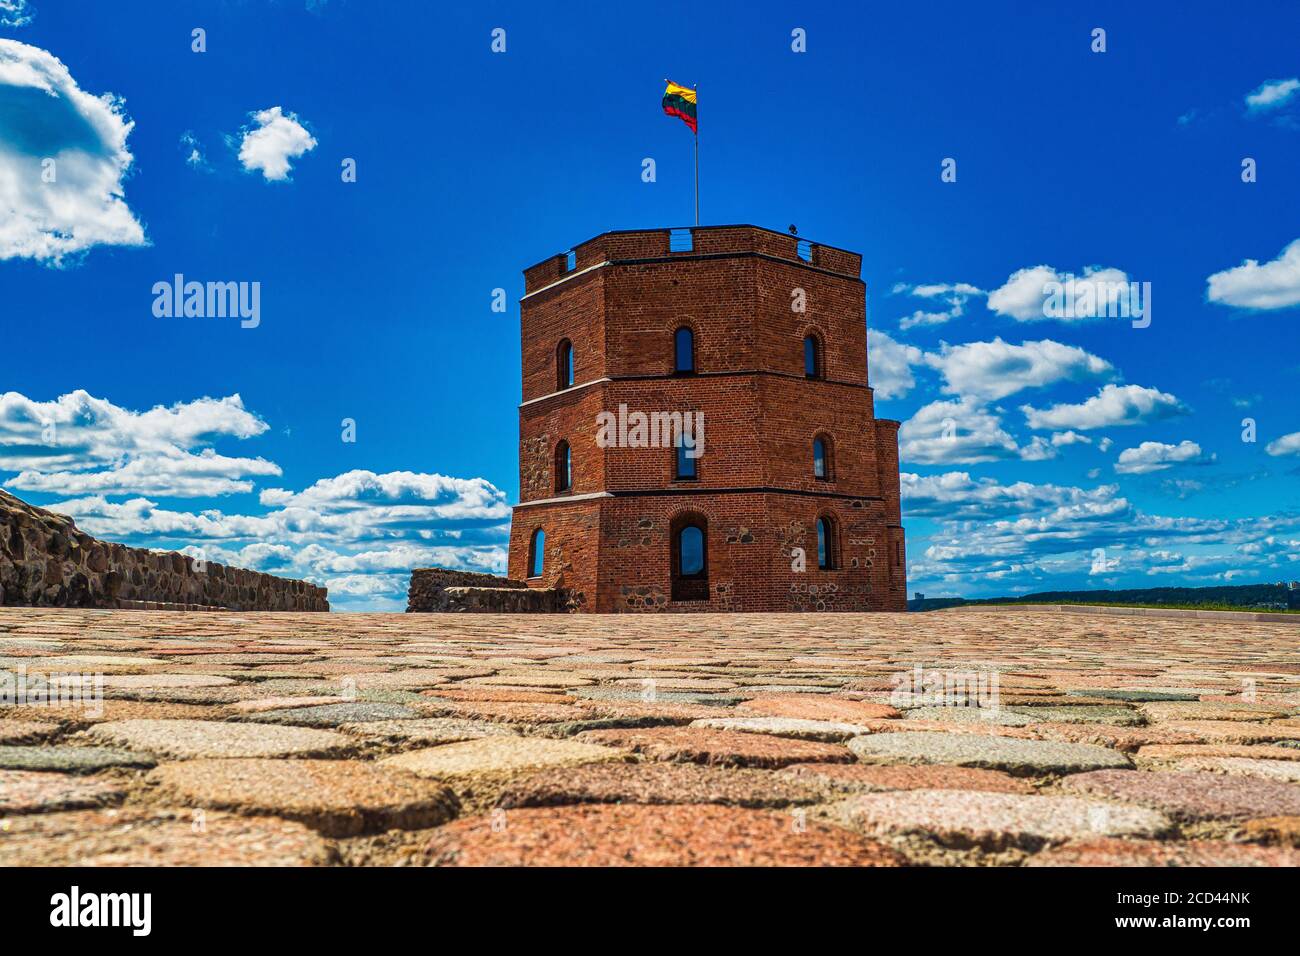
{"x": 442, "y": 590}
{"x": 46, "y": 561}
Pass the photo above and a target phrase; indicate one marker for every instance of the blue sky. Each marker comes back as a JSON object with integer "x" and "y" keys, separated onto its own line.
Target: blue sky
{"x": 1037, "y": 452}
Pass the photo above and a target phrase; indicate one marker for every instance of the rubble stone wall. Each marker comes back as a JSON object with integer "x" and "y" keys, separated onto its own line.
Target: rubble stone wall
{"x": 46, "y": 561}
{"x": 443, "y": 590}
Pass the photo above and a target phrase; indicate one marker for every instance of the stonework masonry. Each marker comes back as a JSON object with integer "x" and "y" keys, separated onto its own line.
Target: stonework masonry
{"x": 611, "y": 535}
{"x": 445, "y": 590}
{"x": 45, "y": 561}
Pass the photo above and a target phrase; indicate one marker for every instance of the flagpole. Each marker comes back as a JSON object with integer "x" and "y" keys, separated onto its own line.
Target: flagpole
{"x": 696, "y": 87}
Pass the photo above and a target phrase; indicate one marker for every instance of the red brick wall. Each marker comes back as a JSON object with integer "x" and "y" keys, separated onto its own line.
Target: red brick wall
{"x": 734, "y": 289}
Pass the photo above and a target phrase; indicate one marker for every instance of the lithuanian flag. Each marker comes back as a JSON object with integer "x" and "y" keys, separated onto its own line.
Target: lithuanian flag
{"x": 680, "y": 101}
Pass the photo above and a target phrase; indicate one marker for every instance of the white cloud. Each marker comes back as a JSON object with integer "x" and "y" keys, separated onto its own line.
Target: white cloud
{"x": 359, "y": 533}
{"x": 1070, "y": 438}
{"x": 1024, "y": 294}
{"x": 15, "y": 13}
{"x": 1156, "y": 456}
{"x": 891, "y": 364}
{"x": 193, "y": 150}
{"x": 961, "y": 432}
{"x": 1273, "y": 285}
{"x": 361, "y": 547}
{"x": 993, "y": 370}
{"x": 175, "y": 475}
{"x": 79, "y": 444}
{"x": 1113, "y": 405}
{"x": 275, "y": 139}
{"x": 54, "y": 211}
{"x": 956, "y": 496}
{"x": 953, "y": 295}
{"x": 1272, "y": 94}
{"x": 1286, "y": 445}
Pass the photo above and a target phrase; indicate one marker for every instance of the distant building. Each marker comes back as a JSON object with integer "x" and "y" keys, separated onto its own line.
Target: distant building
{"x": 918, "y": 596}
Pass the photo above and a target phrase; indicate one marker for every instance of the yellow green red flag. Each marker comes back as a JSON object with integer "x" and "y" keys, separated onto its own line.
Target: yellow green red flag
{"x": 680, "y": 101}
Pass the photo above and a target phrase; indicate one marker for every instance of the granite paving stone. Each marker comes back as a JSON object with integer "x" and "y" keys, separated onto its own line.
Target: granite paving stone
{"x": 1081, "y": 714}
{"x": 1232, "y": 731}
{"x": 719, "y": 747}
{"x": 814, "y": 708}
{"x": 1148, "y": 853}
{"x": 23, "y": 791}
{"x": 656, "y": 783}
{"x": 986, "y": 716}
{"x": 1193, "y": 795}
{"x": 1125, "y": 739}
{"x": 139, "y": 837}
{"x": 332, "y": 715}
{"x": 498, "y": 756}
{"x": 698, "y": 738}
{"x": 827, "y": 730}
{"x": 634, "y": 835}
{"x": 1287, "y": 771}
{"x": 1019, "y": 757}
{"x": 428, "y": 730}
{"x": 192, "y": 739}
{"x": 995, "y": 821}
{"x": 336, "y": 798}
{"x": 1135, "y": 696}
{"x": 873, "y": 777}
{"x": 504, "y": 711}
{"x": 1166, "y": 752}
{"x": 1284, "y": 831}
{"x": 25, "y": 731}
{"x": 66, "y": 758}
{"x": 650, "y": 694}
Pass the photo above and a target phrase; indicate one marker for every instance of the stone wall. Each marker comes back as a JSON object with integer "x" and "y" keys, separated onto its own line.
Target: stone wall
{"x": 45, "y": 561}
{"x": 445, "y": 590}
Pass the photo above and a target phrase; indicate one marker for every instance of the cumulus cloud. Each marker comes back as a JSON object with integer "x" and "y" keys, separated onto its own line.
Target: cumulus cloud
{"x": 358, "y": 533}
{"x": 891, "y": 364}
{"x": 993, "y": 370}
{"x": 362, "y": 548}
{"x": 1024, "y": 295}
{"x": 1156, "y": 456}
{"x": 1273, "y": 285}
{"x": 1271, "y": 95}
{"x": 961, "y": 432}
{"x": 63, "y": 161}
{"x": 953, "y": 296}
{"x": 1286, "y": 445}
{"x": 955, "y": 495}
{"x": 1070, "y": 438}
{"x": 271, "y": 141}
{"x": 1113, "y": 405}
{"x": 999, "y": 539}
{"x": 15, "y": 13}
{"x": 175, "y": 474}
{"x": 80, "y": 444}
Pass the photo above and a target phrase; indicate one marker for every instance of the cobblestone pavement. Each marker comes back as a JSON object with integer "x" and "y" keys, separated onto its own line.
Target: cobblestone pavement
{"x": 819, "y": 739}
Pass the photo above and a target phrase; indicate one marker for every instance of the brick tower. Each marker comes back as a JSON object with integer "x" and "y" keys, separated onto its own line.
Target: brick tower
{"x": 787, "y": 499}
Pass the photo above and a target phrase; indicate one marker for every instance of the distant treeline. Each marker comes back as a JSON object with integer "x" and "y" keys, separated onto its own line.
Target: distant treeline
{"x": 1240, "y": 595}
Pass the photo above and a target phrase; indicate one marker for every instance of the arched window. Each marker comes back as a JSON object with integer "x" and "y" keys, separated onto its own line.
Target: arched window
{"x": 687, "y": 457}
{"x": 826, "y": 544}
{"x": 564, "y": 365}
{"x": 821, "y": 450}
{"x": 563, "y": 467}
{"x": 812, "y": 357}
{"x": 690, "y": 559}
{"x": 683, "y": 351}
{"x": 536, "y": 553}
